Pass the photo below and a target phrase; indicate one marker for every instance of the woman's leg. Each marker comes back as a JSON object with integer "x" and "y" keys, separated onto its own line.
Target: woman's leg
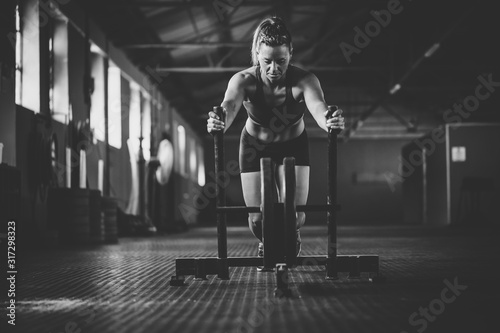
{"x": 250, "y": 183}
{"x": 301, "y": 189}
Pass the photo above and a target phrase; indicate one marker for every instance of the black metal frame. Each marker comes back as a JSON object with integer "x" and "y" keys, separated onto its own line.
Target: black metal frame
{"x": 203, "y": 266}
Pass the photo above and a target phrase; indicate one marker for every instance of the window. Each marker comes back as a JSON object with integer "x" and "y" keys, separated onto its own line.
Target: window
{"x": 97, "y": 122}
{"x": 146, "y": 126}
{"x": 181, "y": 141}
{"x": 135, "y": 116}
{"x": 28, "y": 56}
{"x": 59, "y": 85}
{"x": 18, "y": 58}
{"x": 193, "y": 167}
{"x": 201, "y": 166}
{"x": 114, "y": 106}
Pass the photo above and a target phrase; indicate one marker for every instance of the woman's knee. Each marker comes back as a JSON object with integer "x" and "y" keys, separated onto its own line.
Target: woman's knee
{"x": 255, "y": 224}
{"x": 254, "y": 218}
{"x": 301, "y": 219}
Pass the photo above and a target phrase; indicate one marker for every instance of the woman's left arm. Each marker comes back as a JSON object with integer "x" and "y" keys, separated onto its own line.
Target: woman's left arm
{"x": 315, "y": 102}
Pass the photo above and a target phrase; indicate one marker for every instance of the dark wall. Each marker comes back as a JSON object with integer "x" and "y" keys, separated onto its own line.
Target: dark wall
{"x": 413, "y": 183}
{"x": 436, "y": 176}
{"x": 369, "y": 179}
{"x": 24, "y": 124}
{"x": 7, "y": 81}
{"x": 453, "y": 187}
{"x": 425, "y": 174}
{"x": 76, "y": 72}
{"x": 31, "y": 130}
{"x": 482, "y": 168}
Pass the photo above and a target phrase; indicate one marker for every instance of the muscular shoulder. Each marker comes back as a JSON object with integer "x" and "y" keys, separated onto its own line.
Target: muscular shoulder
{"x": 303, "y": 78}
{"x": 243, "y": 79}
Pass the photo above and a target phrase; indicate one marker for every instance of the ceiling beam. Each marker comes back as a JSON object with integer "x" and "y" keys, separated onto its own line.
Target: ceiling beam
{"x": 202, "y": 3}
{"x": 225, "y": 59}
{"x": 410, "y": 126}
{"x": 187, "y": 45}
{"x": 189, "y": 10}
{"x": 191, "y": 45}
{"x": 219, "y": 29}
{"x": 240, "y": 68}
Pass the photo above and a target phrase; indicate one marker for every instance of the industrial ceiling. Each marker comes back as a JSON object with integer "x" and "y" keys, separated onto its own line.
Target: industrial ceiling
{"x": 395, "y": 67}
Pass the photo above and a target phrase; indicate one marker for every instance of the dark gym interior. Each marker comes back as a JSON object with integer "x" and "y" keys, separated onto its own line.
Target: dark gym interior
{"x": 107, "y": 172}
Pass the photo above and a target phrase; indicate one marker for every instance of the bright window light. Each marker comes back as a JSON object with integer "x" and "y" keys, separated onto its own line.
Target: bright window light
{"x": 201, "y": 166}
{"x": 97, "y": 121}
{"x": 181, "y": 139}
{"x": 135, "y": 116}
{"x": 114, "y": 106}
{"x": 193, "y": 172}
{"x": 146, "y": 126}
{"x": 59, "y": 90}
{"x": 18, "y": 58}
{"x": 30, "y": 57}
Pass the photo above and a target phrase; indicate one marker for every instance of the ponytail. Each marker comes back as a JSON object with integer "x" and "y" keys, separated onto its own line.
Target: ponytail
{"x": 271, "y": 32}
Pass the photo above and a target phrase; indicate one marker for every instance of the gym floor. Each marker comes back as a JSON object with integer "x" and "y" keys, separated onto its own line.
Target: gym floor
{"x": 438, "y": 280}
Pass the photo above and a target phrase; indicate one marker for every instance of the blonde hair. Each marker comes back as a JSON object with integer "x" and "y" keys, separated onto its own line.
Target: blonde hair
{"x": 271, "y": 32}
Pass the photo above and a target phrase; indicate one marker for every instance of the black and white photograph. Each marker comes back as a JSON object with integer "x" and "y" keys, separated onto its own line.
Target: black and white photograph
{"x": 248, "y": 166}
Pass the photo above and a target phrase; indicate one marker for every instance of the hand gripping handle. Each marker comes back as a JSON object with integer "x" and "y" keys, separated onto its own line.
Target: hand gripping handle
{"x": 219, "y": 112}
{"x": 329, "y": 114}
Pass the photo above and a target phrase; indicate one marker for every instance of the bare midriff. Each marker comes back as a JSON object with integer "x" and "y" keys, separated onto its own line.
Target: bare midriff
{"x": 276, "y": 134}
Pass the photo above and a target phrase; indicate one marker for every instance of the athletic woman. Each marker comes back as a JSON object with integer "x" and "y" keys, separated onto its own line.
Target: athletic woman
{"x": 273, "y": 93}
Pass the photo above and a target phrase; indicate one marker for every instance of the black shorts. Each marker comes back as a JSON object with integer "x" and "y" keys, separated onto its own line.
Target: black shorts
{"x": 252, "y": 150}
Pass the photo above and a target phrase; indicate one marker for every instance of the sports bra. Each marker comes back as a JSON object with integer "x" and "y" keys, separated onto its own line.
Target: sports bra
{"x": 279, "y": 117}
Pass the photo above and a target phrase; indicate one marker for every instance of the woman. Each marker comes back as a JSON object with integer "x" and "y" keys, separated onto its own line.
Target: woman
{"x": 274, "y": 93}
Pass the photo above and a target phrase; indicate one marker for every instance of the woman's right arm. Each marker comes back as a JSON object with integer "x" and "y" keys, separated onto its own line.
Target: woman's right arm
{"x": 233, "y": 100}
